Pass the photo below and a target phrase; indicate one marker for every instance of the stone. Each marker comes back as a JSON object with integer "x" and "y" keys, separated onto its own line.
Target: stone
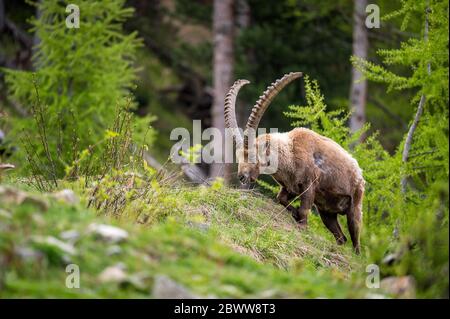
{"x": 390, "y": 259}
{"x": 401, "y": 287}
{"x": 109, "y": 233}
{"x": 52, "y": 241}
{"x": 113, "y": 274}
{"x": 27, "y": 253}
{"x": 70, "y": 236}
{"x": 14, "y": 196}
{"x": 375, "y": 296}
{"x": 268, "y": 294}
{"x": 203, "y": 227}
{"x": 67, "y": 196}
{"x": 166, "y": 288}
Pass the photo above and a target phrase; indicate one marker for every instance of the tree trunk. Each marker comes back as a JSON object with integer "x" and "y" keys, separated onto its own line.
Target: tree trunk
{"x": 242, "y": 23}
{"x": 2, "y": 15}
{"x": 36, "y": 39}
{"x": 358, "y": 89}
{"x": 222, "y": 74}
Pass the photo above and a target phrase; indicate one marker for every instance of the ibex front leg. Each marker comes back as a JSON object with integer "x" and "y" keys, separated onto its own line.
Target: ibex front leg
{"x": 285, "y": 198}
{"x": 306, "y": 203}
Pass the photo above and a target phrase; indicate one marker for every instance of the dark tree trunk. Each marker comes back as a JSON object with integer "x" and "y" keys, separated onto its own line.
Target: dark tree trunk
{"x": 223, "y": 63}
{"x": 358, "y": 89}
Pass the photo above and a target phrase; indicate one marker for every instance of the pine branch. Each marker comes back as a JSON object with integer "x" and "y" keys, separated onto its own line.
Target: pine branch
{"x": 386, "y": 110}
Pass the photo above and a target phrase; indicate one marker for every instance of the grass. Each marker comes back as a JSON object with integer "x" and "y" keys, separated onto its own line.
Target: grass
{"x": 215, "y": 241}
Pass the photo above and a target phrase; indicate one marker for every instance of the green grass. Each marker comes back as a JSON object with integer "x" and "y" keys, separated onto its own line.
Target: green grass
{"x": 215, "y": 241}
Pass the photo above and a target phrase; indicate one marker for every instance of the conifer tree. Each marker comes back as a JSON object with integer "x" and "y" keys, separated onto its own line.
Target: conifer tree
{"x": 80, "y": 76}
{"x": 424, "y": 60}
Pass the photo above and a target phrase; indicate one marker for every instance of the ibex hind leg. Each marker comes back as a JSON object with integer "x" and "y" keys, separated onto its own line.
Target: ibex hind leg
{"x": 354, "y": 218}
{"x": 331, "y": 222}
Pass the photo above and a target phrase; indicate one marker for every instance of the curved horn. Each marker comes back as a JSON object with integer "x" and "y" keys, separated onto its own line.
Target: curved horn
{"x": 269, "y": 94}
{"x": 230, "y": 108}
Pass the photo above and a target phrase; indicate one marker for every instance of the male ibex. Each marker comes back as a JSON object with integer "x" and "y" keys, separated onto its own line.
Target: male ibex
{"x": 310, "y": 166}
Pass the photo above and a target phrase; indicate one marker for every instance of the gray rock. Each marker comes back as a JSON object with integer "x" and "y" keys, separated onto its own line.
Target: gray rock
{"x": 113, "y": 274}
{"x": 113, "y": 250}
{"x": 200, "y": 226}
{"x": 11, "y": 195}
{"x": 27, "y": 253}
{"x": 375, "y": 296}
{"x": 269, "y": 293}
{"x": 52, "y": 241}
{"x": 70, "y": 236}
{"x": 166, "y": 288}
{"x": 109, "y": 233}
{"x": 67, "y": 196}
{"x": 400, "y": 287}
{"x": 390, "y": 259}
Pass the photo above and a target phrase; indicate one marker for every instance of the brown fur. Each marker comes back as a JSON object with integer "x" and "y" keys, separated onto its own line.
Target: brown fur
{"x": 321, "y": 172}
{"x": 310, "y": 166}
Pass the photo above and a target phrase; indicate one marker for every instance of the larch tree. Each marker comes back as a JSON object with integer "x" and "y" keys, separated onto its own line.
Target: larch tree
{"x": 358, "y": 89}
{"x": 223, "y": 67}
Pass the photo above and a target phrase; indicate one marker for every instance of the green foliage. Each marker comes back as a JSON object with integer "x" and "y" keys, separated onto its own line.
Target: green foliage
{"x": 192, "y": 154}
{"x": 81, "y": 74}
{"x": 416, "y": 54}
{"x": 315, "y": 116}
{"x": 422, "y": 220}
{"x": 426, "y": 63}
{"x": 414, "y": 225}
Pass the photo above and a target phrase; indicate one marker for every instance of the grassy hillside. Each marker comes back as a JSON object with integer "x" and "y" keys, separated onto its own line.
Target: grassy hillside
{"x": 216, "y": 242}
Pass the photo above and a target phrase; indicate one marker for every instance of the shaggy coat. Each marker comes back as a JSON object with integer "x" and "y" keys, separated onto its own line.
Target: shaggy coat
{"x": 310, "y": 167}
{"x": 322, "y": 173}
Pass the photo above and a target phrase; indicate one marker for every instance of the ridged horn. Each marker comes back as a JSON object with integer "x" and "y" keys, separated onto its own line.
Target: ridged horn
{"x": 230, "y": 109}
{"x": 269, "y": 94}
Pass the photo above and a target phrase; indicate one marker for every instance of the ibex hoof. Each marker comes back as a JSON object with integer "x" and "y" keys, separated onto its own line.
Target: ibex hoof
{"x": 302, "y": 225}
{"x": 341, "y": 240}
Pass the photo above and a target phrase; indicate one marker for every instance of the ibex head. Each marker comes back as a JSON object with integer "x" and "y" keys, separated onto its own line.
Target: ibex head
{"x": 251, "y": 163}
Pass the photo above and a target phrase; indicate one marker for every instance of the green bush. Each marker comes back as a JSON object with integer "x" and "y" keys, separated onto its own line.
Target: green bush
{"x": 82, "y": 76}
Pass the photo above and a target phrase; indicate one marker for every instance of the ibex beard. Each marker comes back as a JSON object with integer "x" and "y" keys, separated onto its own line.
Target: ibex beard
{"x": 309, "y": 166}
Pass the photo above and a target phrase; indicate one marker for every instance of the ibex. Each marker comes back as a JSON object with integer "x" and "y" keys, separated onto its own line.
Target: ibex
{"x": 311, "y": 167}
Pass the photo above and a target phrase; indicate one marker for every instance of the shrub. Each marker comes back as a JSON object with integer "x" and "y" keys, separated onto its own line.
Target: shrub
{"x": 81, "y": 76}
